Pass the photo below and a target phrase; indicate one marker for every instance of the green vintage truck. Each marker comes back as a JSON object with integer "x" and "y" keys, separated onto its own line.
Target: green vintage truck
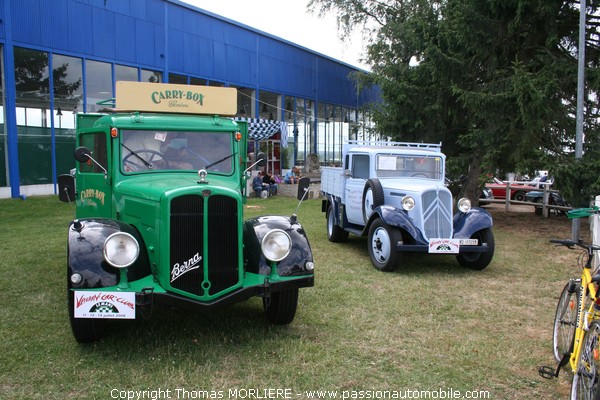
{"x": 159, "y": 187}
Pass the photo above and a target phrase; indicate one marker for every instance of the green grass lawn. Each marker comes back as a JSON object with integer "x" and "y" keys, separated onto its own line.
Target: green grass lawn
{"x": 431, "y": 326}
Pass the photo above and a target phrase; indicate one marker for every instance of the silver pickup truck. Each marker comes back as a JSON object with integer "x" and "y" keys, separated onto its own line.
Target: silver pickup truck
{"x": 395, "y": 193}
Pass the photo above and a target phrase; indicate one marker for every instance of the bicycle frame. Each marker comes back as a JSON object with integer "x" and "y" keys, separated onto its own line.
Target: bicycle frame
{"x": 585, "y": 315}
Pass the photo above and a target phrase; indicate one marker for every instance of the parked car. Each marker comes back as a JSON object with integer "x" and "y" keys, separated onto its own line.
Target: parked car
{"x": 554, "y": 199}
{"x": 498, "y": 189}
{"x": 455, "y": 186}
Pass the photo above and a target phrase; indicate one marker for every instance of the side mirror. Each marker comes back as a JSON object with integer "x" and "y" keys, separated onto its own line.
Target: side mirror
{"x": 66, "y": 188}
{"x": 262, "y": 159}
{"x": 83, "y": 154}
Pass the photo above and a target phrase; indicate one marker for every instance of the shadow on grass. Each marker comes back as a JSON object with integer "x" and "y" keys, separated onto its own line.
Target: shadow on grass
{"x": 170, "y": 330}
{"x": 411, "y": 263}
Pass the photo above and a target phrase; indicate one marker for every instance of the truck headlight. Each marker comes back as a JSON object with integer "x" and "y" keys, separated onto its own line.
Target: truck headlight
{"x": 408, "y": 203}
{"x": 121, "y": 249}
{"x": 464, "y": 205}
{"x": 276, "y": 245}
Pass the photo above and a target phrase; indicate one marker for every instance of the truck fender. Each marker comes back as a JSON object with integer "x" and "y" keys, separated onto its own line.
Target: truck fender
{"x": 85, "y": 253}
{"x": 335, "y": 203}
{"x": 466, "y": 224}
{"x": 294, "y": 264}
{"x": 396, "y": 217}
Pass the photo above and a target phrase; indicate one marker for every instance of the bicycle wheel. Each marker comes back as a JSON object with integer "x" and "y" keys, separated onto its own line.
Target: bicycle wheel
{"x": 586, "y": 381}
{"x": 565, "y": 319}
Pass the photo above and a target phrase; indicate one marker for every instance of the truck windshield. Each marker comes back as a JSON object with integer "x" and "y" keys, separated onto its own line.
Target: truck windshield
{"x": 143, "y": 151}
{"x": 410, "y": 166}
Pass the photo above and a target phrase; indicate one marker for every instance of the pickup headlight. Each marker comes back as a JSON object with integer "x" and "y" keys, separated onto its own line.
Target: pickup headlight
{"x": 121, "y": 250}
{"x": 464, "y": 205}
{"x": 408, "y": 203}
{"x": 276, "y": 245}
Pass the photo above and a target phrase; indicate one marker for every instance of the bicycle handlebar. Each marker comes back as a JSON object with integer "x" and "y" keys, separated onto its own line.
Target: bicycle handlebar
{"x": 570, "y": 244}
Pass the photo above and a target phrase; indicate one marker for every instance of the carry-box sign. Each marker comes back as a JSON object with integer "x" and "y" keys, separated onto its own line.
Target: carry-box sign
{"x": 172, "y": 98}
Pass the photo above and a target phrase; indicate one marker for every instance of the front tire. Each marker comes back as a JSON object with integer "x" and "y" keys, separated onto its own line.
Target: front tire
{"x": 280, "y": 307}
{"x": 520, "y": 196}
{"x": 85, "y": 330}
{"x": 382, "y": 246}
{"x": 586, "y": 381}
{"x": 478, "y": 261}
{"x": 565, "y": 320}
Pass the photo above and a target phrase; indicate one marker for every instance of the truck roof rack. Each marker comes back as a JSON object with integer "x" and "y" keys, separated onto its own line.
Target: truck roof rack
{"x": 429, "y": 146}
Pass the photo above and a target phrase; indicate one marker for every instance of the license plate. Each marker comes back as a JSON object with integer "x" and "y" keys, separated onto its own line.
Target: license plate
{"x": 444, "y": 246}
{"x": 99, "y": 304}
{"x": 469, "y": 242}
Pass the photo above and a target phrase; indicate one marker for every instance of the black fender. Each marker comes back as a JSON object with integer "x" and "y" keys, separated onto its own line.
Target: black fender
{"x": 294, "y": 264}
{"x": 466, "y": 224}
{"x": 335, "y": 204}
{"x": 84, "y": 253}
{"x": 396, "y": 217}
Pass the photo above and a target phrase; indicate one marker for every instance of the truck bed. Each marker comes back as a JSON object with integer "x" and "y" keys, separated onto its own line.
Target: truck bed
{"x": 333, "y": 181}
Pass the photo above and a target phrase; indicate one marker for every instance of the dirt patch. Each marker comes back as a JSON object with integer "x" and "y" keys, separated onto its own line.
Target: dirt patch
{"x": 523, "y": 219}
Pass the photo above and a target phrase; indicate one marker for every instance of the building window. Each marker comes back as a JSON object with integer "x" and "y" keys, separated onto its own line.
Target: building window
{"x": 125, "y": 73}
{"x": 68, "y": 90}
{"x": 151, "y": 76}
{"x": 98, "y": 84}
{"x": 179, "y": 79}
{"x": 269, "y": 105}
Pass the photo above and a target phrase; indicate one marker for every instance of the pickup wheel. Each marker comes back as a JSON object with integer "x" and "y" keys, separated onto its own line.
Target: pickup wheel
{"x": 85, "y": 330}
{"x": 372, "y": 198}
{"x": 280, "y": 307}
{"x": 335, "y": 234}
{"x": 382, "y": 246}
{"x": 479, "y": 261}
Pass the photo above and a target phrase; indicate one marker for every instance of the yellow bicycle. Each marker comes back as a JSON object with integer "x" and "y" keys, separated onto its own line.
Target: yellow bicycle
{"x": 576, "y": 335}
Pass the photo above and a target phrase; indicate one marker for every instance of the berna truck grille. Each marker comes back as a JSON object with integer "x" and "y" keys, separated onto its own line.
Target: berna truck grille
{"x": 437, "y": 214}
{"x": 196, "y": 220}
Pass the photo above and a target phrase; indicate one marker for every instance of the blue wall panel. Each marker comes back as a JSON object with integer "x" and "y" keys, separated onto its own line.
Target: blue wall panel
{"x": 159, "y": 34}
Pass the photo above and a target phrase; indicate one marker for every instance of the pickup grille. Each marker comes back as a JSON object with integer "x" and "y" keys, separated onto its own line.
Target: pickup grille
{"x": 437, "y": 214}
{"x": 194, "y": 220}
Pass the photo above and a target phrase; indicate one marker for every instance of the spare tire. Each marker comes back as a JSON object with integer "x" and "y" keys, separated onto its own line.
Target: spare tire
{"x": 372, "y": 198}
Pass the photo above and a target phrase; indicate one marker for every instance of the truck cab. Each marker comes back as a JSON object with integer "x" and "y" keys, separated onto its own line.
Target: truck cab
{"x": 395, "y": 194}
{"x": 159, "y": 189}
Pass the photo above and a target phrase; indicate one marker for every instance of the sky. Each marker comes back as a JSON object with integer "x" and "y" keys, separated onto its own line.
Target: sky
{"x": 289, "y": 20}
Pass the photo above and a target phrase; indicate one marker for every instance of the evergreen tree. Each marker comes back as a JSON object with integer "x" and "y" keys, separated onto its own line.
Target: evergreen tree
{"x": 495, "y": 81}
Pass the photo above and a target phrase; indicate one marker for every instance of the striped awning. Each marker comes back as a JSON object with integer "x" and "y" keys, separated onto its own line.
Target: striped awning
{"x": 261, "y": 129}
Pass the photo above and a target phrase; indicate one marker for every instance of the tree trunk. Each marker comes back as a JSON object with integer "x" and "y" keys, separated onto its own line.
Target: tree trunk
{"x": 471, "y": 189}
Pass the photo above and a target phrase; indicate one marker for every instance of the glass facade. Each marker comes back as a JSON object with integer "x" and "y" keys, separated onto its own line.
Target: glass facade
{"x": 47, "y": 104}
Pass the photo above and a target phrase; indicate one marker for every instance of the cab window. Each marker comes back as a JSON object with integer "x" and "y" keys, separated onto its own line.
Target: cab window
{"x": 96, "y": 143}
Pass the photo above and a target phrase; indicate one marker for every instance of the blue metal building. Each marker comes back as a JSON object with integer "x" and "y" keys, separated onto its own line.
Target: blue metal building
{"x": 62, "y": 57}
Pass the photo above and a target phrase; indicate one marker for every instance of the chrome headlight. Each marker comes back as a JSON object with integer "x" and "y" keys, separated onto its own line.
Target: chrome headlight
{"x": 408, "y": 203}
{"x": 464, "y": 205}
{"x": 121, "y": 250}
{"x": 276, "y": 245}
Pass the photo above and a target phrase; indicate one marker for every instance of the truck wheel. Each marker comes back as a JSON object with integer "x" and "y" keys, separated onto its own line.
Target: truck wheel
{"x": 334, "y": 233}
{"x": 85, "y": 330}
{"x": 479, "y": 261}
{"x": 382, "y": 246}
{"x": 372, "y": 197}
{"x": 280, "y": 307}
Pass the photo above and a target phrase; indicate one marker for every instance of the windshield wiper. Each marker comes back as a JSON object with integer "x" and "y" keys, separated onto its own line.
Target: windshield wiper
{"x": 146, "y": 163}
{"x": 219, "y": 161}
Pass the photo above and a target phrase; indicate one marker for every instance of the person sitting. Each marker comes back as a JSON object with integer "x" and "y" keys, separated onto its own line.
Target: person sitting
{"x": 270, "y": 183}
{"x": 257, "y": 184}
{"x": 292, "y": 176}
